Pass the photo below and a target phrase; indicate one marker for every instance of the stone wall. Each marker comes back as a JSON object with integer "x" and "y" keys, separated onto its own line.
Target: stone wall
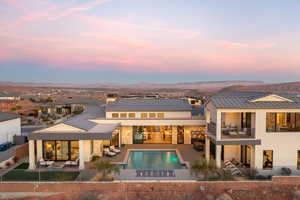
{"x": 277, "y": 189}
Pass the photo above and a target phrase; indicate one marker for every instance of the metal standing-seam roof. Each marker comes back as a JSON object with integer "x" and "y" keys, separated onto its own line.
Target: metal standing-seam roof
{"x": 244, "y": 100}
{"x": 4, "y": 116}
{"x": 149, "y": 105}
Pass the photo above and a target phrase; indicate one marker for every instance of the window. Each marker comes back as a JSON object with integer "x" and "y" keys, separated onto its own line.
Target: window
{"x": 123, "y": 115}
{"x": 283, "y": 122}
{"x": 298, "y": 160}
{"x": 144, "y": 115}
{"x": 60, "y": 150}
{"x": 115, "y": 115}
{"x": 161, "y": 115}
{"x": 131, "y": 115}
{"x": 152, "y": 115}
{"x": 268, "y": 159}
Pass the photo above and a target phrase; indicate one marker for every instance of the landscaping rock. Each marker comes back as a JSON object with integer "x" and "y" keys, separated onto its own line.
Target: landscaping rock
{"x": 224, "y": 197}
{"x": 297, "y": 195}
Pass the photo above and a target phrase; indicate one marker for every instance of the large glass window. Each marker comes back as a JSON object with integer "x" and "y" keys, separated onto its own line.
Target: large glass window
{"x": 152, "y": 115}
{"x": 131, "y": 115}
{"x": 115, "y": 115}
{"x": 74, "y": 150}
{"x": 283, "y": 122}
{"x": 60, "y": 150}
{"x": 268, "y": 159}
{"x": 161, "y": 115}
{"x": 49, "y": 150}
{"x": 123, "y": 115}
{"x": 144, "y": 115}
{"x": 152, "y": 134}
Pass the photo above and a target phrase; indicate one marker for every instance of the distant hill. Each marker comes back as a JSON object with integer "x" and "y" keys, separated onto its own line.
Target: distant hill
{"x": 201, "y": 85}
{"x": 289, "y": 87}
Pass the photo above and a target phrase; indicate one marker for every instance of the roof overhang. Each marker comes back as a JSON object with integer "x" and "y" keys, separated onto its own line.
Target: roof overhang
{"x": 101, "y": 132}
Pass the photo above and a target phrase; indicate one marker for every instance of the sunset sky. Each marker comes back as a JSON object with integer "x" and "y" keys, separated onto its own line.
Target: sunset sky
{"x": 149, "y": 40}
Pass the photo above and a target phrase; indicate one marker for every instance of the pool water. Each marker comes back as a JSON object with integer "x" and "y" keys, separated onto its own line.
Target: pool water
{"x": 153, "y": 160}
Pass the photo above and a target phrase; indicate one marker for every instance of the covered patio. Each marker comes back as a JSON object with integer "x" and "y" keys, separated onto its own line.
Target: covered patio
{"x": 70, "y": 148}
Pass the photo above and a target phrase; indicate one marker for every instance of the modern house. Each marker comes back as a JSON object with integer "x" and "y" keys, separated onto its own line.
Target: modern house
{"x": 10, "y": 126}
{"x": 124, "y": 121}
{"x": 261, "y": 130}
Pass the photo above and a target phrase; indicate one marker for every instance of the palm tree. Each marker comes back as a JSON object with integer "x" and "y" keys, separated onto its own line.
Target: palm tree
{"x": 203, "y": 167}
{"x": 105, "y": 167}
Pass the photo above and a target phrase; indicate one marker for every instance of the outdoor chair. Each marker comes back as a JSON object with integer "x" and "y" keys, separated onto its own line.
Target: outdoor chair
{"x": 109, "y": 153}
{"x": 138, "y": 173}
{"x": 165, "y": 173}
{"x": 44, "y": 163}
{"x": 148, "y": 173}
{"x": 155, "y": 173}
{"x": 72, "y": 163}
{"x": 113, "y": 149}
{"x": 171, "y": 173}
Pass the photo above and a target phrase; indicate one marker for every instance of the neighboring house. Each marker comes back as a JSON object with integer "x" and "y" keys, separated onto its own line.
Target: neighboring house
{"x": 64, "y": 107}
{"x": 9, "y": 97}
{"x": 10, "y": 126}
{"x": 261, "y": 130}
{"x": 125, "y": 121}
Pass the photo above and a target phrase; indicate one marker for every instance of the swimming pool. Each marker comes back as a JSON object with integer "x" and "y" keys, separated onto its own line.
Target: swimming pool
{"x": 154, "y": 159}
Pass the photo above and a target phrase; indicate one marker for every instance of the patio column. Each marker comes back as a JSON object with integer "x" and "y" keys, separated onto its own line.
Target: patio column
{"x": 174, "y": 134}
{"x": 218, "y": 155}
{"x": 31, "y": 155}
{"x": 187, "y": 135}
{"x": 207, "y": 149}
{"x": 39, "y": 149}
{"x": 81, "y": 154}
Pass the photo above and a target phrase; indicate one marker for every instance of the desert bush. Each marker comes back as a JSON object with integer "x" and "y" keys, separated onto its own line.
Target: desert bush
{"x": 286, "y": 171}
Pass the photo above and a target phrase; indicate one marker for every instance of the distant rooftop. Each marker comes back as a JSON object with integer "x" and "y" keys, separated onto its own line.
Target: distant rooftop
{"x": 4, "y": 116}
{"x": 255, "y": 100}
{"x": 149, "y": 105}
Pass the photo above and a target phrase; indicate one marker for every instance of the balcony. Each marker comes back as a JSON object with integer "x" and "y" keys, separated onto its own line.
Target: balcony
{"x": 238, "y": 125}
{"x": 238, "y": 133}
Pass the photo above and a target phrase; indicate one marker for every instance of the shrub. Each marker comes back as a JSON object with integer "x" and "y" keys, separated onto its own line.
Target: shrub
{"x": 95, "y": 157}
{"x": 286, "y": 171}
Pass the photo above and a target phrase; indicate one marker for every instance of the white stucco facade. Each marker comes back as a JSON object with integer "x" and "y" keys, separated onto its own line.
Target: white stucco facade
{"x": 8, "y": 129}
{"x": 285, "y": 145}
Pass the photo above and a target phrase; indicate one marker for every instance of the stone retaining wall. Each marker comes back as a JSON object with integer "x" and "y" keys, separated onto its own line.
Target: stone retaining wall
{"x": 277, "y": 189}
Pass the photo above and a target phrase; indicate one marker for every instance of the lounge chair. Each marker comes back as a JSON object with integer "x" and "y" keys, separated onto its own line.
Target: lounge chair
{"x": 138, "y": 173}
{"x": 113, "y": 149}
{"x": 72, "y": 163}
{"x": 171, "y": 173}
{"x": 44, "y": 163}
{"x": 109, "y": 153}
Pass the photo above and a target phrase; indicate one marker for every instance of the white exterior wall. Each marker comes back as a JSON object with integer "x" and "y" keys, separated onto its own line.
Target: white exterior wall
{"x": 284, "y": 144}
{"x": 8, "y": 129}
{"x": 179, "y": 114}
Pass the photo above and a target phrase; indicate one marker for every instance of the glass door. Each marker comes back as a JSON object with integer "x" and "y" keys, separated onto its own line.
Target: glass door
{"x": 62, "y": 150}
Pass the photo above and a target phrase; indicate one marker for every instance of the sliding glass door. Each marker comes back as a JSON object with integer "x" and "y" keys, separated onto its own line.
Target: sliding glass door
{"x": 60, "y": 150}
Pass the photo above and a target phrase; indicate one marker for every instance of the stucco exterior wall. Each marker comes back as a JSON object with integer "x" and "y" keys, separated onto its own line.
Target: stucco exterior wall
{"x": 8, "y": 129}
{"x": 284, "y": 144}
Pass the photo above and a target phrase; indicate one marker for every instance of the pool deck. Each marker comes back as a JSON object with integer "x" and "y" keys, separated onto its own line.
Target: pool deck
{"x": 186, "y": 151}
{"x": 188, "y": 154}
